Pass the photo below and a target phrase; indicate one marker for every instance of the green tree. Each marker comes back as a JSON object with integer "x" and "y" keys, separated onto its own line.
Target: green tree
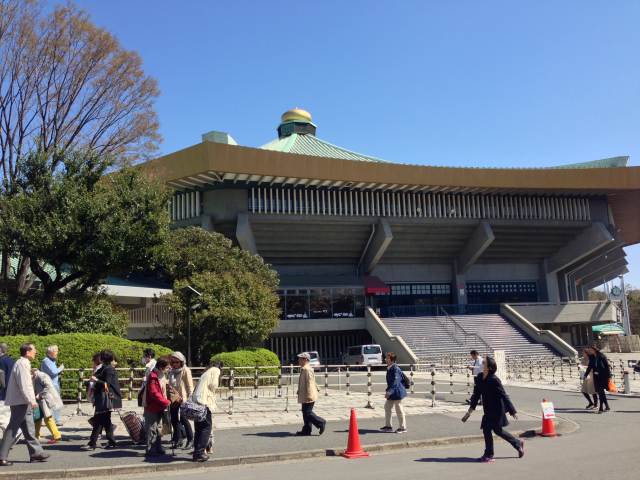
{"x": 238, "y": 307}
{"x": 76, "y": 226}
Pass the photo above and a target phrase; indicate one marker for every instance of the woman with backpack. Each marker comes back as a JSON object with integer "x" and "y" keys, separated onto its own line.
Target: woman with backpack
{"x": 394, "y": 394}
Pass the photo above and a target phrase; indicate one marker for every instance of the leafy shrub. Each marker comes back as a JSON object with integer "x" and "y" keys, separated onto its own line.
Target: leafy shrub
{"x": 76, "y": 350}
{"x": 250, "y": 357}
{"x": 64, "y": 314}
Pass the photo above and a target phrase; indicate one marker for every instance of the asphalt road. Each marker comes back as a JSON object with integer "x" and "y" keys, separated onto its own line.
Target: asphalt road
{"x": 605, "y": 446}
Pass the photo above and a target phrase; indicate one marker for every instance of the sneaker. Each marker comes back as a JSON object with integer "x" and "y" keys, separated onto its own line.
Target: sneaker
{"x": 401, "y": 430}
{"x": 53, "y": 441}
{"x": 486, "y": 459}
{"x": 521, "y": 449}
{"x": 88, "y": 447}
{"x": 387, "y": 429}
{"x": 200, "y": 458}
{"x": 40, "y": 458}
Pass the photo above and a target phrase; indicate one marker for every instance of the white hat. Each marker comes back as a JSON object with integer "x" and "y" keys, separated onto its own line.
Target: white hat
{"x": 304, "y": 355}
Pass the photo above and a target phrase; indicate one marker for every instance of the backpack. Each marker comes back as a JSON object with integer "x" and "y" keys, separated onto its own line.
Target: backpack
{"x": 406, "y": 382}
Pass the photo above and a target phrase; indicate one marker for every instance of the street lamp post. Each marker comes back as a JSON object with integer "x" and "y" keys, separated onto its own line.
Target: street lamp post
{"x": 189, "y": 292}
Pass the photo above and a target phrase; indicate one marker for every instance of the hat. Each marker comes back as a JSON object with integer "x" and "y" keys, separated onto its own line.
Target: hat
{"x": 304, "y": 355}
{"x": 179, "y": 356}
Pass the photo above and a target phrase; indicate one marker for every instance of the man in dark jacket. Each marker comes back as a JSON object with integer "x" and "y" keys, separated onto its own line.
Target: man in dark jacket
{"x": 394, "y": 394}
{"x": 496, "y": 404}
{"x": 6, "y": 364}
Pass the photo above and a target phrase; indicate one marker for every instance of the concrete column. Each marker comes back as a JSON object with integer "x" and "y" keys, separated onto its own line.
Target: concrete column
{"x": 244, "y": 234}
{"x": 378, "y": 244}
{"x": 587, "y": 242}
{"x": 206, "y": 223}
{"x": 551, "y": 289}
{"x": 459, "y": 285}
{"x": 477, "y": 243}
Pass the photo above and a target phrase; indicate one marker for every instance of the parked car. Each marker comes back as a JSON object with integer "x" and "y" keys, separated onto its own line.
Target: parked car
{"x": 363, "y": 355}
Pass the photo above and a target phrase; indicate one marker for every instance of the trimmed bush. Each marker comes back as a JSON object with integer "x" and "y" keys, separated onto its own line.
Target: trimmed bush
{"x": 251, "y": 357}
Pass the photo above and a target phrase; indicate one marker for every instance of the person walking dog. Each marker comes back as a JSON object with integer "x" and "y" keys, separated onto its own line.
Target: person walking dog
{"x": 307, "y": 396}
{"x": 495, "y": 403}
{"x": 394, "y": 394}
{"x": 22, "y": 399}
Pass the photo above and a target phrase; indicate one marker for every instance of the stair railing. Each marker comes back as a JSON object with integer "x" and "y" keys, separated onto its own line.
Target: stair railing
{"x": 459, "y": 334}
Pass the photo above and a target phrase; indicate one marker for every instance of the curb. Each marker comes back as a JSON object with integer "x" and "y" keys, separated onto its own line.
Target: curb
{"x": 564, "y": 426}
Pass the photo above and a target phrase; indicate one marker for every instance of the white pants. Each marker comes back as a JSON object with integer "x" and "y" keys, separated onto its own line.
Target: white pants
{"x": 388, "y": 406}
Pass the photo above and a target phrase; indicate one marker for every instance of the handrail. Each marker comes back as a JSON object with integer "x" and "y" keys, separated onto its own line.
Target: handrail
{"x": 466, "y": 334}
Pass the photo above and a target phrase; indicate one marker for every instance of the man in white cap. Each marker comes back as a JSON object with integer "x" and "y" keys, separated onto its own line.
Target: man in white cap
{"x": 307, "y": 396}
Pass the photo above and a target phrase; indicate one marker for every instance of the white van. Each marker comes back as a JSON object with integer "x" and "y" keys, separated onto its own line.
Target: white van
{"x": 363, "y": 355}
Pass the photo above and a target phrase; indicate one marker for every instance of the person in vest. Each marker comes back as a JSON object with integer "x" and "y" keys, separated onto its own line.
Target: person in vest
{"x": 205, "y": 394}
{"x": 307, "y": 396}
{"x": 495, "y": 403}
{"x": 22, "y": 399}
{"x": 180, "y": 389}
{"x": 155, "y": 402}
{"x": 49, "y": 401}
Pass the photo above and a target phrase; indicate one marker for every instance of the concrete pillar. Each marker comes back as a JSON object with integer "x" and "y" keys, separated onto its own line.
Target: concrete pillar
{"x": 459, "y": 286}
{"x": 477, "y": 243}
{"x": 244, "y": 234}
{"x": 378, "y": 244}
{"x": 586, "y": 243}
{"x": 551, "y": 287}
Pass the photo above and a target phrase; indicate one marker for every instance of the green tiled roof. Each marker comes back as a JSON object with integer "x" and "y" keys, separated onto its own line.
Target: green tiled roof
{"x": 312, "y": 145}
{"x": 612, "y": 162}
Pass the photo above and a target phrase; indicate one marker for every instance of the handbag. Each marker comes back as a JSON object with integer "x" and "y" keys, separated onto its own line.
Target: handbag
{"x": 166, "y": 423}
{"x": 611, "y": 386}
{"x": 141, "y": 394}
{"x": 406, "y": 382}
{"x": 193, "y": 411}
{"x": 37, "y": 414}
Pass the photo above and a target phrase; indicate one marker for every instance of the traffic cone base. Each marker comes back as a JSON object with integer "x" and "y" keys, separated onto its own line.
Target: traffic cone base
{"x": 548, "y": 428}
{"x": 354, "y": 450}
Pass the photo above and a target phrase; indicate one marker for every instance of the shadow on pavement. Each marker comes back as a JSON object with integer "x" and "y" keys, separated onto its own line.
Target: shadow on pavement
{"x": 270, "y": 434}
{"x": 455, "y": 459}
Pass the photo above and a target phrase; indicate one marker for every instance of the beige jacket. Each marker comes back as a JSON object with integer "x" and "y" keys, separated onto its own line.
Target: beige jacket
{"x": 307, "y": 387}
{"x": 20, "y": 388}
{"x": 205, "y": 392}
{"x": 182, "y": 381}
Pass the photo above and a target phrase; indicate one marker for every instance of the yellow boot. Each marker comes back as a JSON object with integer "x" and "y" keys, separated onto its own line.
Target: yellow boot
{"x": 55, "y": 433}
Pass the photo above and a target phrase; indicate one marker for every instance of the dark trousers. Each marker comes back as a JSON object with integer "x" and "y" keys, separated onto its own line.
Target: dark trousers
{"x": 603, "y": 397}
{"x": 178, "y": 421}
{"x": 488, "y": 439}
{"x": 202, "y": 435}
{"x": 310, "y": 418}
{"x": 101, "y": 420}
{"x": 594, "y": 401}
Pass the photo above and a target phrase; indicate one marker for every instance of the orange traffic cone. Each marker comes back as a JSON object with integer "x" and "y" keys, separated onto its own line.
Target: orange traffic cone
{"x": 548, "y": 427}
{"x": 354, "y": 450}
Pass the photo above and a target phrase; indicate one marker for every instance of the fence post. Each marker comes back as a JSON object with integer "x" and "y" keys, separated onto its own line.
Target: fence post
{"x": 326, "y": 381}
{"x": 562, "y": 380}
{"x": 531, "y": 370}
{"x": 347, "y": 381}
{"x": 451, "y": 375}
{"x": 411, "y": 387}
{"x": 540, "y": 371}
{"x": 433, "y": 386}
{"x": 79, "y": 411}
{"x": 368, "y": 405}
{"x": 280, "y": 382}
{"x": 255, "y": 382}
{"x": 553, "y": 372}
{"x": 468, "y": 383}
{"x": 130, "y": 395}
{"x": 231, "y": 385}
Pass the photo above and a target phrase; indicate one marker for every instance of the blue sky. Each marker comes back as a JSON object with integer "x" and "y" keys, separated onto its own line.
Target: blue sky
{"x": 462, "y": 83}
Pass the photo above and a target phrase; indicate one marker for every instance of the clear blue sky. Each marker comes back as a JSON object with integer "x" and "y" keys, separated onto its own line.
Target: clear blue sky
{"x": 464, "y": 83}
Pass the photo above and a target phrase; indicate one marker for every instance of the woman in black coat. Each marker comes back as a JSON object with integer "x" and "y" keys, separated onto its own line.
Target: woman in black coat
{"x": 599, "y": 365}
{"x": 496, "y": 404}
{"x": 107, "y": 397}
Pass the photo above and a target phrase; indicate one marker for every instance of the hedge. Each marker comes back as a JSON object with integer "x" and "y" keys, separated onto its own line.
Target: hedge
{"x": 251, "y": 357}
{"x": 76, "y": 349}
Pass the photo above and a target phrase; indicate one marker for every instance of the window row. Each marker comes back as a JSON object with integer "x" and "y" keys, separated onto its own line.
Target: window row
{"x": 304, "y": 303}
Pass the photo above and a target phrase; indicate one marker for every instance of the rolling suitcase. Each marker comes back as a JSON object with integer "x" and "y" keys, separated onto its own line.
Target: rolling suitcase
{"x": 133, "y": 424}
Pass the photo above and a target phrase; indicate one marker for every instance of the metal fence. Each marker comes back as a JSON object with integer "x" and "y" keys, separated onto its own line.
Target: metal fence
{"x": 438, "y": 378}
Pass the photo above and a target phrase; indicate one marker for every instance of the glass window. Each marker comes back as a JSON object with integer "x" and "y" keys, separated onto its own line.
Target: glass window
{"x": 371, "y": 350}
{"x": 297, "y": 304}
{"x": 358, "y": 300}
{"x": 320, "y": 303}
{"x": 343, "y": 302}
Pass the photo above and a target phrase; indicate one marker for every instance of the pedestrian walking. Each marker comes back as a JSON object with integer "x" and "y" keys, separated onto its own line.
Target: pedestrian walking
{"x": 394, "y": 394}
{"x": 180, "y": 389}
{"x": 50, "y": 367}
{"x": 307, "y": 396}
{"x": 149, "y": 361}
{"x": 21, "y": 397}
{"x": 475, "y": 365}
{"x": 106, "y": 398}
{"x": 155, "y": 402}
{"x": 6, "y": 365}
{"x": 495, "y": 403}
{"x": 588, "y": 387}
{"x": 599, "y": 366}
{"x": 48, "y": 400}
{"x": 205, "y": 394}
